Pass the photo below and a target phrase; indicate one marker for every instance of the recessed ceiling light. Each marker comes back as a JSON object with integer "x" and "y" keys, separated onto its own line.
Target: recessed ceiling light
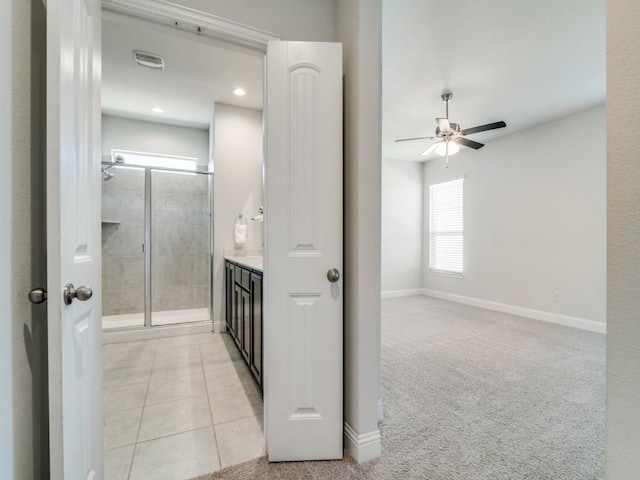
{"x": 238, "y": 91}
{"x": 157, "y": 109}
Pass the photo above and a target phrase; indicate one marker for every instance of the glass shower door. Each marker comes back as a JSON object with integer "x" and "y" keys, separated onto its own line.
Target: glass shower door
{"x": 180, "y": 247}
{"x": 123, "y": 212}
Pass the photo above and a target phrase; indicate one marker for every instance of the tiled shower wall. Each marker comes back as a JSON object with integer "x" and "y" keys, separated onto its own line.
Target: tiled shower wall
{"x": 179, "y": 242}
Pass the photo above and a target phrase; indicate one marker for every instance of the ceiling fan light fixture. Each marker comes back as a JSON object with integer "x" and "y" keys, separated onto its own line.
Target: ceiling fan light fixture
{"x": 441, "y": 148}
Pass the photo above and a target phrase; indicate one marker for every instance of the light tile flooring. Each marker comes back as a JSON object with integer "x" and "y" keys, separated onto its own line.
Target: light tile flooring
{"x": 178, "y": 407}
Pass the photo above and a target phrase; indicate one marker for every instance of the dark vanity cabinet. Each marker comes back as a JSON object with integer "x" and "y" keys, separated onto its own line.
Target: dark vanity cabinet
{"x": 243, "y": 306}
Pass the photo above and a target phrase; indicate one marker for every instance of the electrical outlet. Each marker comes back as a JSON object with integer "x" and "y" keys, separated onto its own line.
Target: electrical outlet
{"x": 556, "y": 296}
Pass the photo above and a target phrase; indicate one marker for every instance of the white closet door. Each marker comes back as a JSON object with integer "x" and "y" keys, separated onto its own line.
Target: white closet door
{"x": 303, "y": 200}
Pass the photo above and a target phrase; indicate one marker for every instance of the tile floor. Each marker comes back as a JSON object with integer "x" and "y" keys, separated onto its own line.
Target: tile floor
{"x": 178, "y": 407}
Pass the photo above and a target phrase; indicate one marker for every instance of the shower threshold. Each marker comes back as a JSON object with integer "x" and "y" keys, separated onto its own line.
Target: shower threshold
{"x": 169, "y": 317}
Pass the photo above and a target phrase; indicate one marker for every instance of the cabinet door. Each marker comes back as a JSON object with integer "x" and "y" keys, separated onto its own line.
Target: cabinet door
{"x": 246, "y": 324}
{"x": 228, "y": 297}
{"x": 236, "y": 321}
{"x": 256, "y": 327}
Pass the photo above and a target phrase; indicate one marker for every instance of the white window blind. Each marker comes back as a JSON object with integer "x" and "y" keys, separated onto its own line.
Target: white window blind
{"x": 446, "y": 227}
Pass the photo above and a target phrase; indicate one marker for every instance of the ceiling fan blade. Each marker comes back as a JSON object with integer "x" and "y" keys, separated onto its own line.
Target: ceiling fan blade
{"x": 482, "y": 128}
{"x": 430, "y": 149}
{"x": 444, "y": 125}
{"x": 468, "y": 143}
{"x": 414, "y": 138}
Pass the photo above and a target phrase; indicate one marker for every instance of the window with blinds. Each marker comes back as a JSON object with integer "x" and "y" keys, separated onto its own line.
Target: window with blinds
{"x": 446, "y": 228}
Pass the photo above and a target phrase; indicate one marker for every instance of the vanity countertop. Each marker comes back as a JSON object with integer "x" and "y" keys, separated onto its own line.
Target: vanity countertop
{"x": 254, "y": 262}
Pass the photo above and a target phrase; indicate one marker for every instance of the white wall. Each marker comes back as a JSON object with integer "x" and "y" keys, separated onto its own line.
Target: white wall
{"x": 623, "y": 204}
{"x": 237, "y": 160}
{"x": 312, "y": 20}
{"x": 360, "y": 32}
{"x": 140, "y": 136}
{"x": 401, "y": 225}
{"x": 535, "y": 218}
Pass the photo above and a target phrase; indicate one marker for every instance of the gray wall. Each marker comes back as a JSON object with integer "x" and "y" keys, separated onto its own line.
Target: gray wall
{"x": 23, "y": 407}
{"x": 140, "y": 136}
{"x": 237, "y": 157}
{"x": 402, "y": 255}
{"x": 623, "y": 254}
{"x": 535, "y": 218}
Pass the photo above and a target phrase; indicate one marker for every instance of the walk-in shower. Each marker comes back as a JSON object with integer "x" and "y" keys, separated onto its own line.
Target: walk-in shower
{"x": 156, "y": 247}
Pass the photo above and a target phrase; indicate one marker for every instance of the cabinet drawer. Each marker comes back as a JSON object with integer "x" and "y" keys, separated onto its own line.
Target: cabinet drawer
{"x": 243, "y": 277}
{"x": 246, "y": 279}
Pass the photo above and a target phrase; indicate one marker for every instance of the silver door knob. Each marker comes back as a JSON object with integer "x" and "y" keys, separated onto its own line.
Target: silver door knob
{"x": 37, "y": 295}
{"x": 333, "y": 275}
{"x": 82, "y": 293}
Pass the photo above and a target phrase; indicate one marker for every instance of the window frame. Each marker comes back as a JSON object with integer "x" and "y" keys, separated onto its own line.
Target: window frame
{"x": 156, "y": 160}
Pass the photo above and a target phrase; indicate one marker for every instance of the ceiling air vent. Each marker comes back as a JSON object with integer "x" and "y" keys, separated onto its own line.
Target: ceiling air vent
{"x": 150, "y": 60}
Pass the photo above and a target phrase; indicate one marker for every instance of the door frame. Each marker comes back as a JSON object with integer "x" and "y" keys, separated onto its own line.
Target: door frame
{"x": 188, "y": 20}
{"x": 221, "y": 32}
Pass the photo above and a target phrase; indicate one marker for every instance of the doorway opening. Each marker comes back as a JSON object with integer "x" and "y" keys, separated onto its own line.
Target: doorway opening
{"x": 167, "y": 355}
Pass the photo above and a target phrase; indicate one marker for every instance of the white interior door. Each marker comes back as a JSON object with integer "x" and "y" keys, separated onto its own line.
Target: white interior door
{"x": 303, "y": 206}
{"x": 73, "y": 238}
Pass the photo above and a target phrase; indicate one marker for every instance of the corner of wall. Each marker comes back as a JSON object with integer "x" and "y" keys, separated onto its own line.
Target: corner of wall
{"x": 359, "y": 31}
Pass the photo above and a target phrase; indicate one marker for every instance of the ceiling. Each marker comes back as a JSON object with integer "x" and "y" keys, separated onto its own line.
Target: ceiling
{"x": 521, "y": 62}
{"x": 197, "y": 74}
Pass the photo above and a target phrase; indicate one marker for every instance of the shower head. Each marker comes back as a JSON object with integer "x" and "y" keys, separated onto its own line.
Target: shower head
{"x": 106, "y": 174}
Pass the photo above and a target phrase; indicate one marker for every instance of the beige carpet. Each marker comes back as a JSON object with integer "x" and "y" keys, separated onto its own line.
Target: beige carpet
{"x": 474, "y": 394}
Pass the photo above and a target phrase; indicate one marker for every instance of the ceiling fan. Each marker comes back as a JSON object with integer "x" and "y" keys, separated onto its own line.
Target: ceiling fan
{"x": 449, "y": 135}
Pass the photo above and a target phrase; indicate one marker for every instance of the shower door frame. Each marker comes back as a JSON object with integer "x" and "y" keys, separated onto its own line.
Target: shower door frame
{"x": 144, "y": 331}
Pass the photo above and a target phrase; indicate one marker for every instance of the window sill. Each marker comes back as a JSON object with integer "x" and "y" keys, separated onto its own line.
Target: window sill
{"x": 444, "y": 273}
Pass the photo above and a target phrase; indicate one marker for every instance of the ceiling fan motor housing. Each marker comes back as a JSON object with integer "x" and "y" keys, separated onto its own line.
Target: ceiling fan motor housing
{"x": 455, "y": 128}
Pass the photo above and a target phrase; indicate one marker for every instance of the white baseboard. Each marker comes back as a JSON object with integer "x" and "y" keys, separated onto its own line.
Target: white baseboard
{"x": 364, "y": 447}
{"x": 401, "y": 293}
{"x": 575, "y": 322}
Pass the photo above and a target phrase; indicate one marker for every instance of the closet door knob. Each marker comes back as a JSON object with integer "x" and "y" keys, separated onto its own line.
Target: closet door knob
{"x": 37, "y": 295}
{"x": 333, "y": 275}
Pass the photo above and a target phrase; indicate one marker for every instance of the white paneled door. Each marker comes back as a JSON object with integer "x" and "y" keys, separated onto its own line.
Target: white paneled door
{"x": 73, "y": 238}
{"x": 303, "y": 262}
